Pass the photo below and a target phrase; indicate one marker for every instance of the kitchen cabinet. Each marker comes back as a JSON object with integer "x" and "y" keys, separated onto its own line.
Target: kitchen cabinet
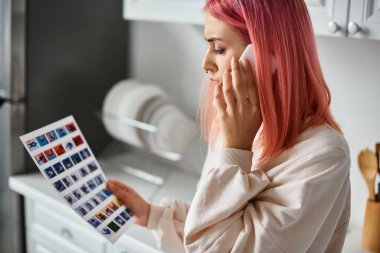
{"x": 53, "y": 227}
{"x": 345, "y": 18}
{"x": 336, "y": 18}
{"x": 179, "y": 11}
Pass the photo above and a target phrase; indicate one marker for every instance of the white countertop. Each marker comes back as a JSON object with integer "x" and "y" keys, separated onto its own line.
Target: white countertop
{"x": 178, "y": 184}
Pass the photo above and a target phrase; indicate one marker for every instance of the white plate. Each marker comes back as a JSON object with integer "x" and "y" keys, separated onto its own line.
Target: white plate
{"x": 131, "y": 106}
{"x": 112, "y": 101}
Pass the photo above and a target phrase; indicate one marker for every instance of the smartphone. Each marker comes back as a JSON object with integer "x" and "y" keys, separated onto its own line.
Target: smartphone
{"x": 249, "y": 52}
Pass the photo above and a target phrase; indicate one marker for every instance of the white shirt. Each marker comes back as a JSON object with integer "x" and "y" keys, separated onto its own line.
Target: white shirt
{"x": 299, "y": 201}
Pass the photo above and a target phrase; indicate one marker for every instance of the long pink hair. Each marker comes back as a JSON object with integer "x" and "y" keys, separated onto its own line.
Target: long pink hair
{"x": 295, "y": 91}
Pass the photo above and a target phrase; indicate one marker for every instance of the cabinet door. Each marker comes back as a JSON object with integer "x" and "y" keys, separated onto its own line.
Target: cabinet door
{"x": 329, "y": 17}
{"x": 41, "y": 240}
{"x": 364, "y": 19}
{"x": 179, "y": 11}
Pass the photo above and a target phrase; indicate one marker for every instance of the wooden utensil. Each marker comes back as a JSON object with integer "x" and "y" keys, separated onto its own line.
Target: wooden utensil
{"x": 368, "y": 166}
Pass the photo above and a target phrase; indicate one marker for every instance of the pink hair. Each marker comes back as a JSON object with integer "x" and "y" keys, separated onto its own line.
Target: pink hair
{"x": 296, "y": 90}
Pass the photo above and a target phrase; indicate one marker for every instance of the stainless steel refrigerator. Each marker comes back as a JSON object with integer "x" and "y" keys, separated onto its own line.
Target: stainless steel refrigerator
{"x": 56, "y": 58}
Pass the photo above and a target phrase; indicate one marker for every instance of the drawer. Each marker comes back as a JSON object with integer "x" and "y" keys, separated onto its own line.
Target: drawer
{"x": 127, "y": 244}
{"x": 41, "y": 240}
{"x": 74, "y": 232}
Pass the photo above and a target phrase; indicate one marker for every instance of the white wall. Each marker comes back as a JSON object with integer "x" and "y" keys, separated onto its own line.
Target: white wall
{"x": 171, "y": 56}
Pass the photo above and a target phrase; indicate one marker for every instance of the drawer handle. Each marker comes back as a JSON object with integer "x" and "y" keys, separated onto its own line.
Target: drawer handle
{"x": 65, "y": 233}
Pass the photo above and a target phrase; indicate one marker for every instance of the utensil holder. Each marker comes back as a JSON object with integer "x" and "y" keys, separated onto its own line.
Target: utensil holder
{"x": 371, "y": 229}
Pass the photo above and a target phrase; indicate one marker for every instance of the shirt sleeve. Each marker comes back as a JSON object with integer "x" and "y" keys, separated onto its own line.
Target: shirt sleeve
{"x": 236, "y": 209}
{"x": 167, "y": 220}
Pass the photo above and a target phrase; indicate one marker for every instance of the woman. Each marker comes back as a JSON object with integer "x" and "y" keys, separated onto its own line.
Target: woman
{"x": 276, "y": 178}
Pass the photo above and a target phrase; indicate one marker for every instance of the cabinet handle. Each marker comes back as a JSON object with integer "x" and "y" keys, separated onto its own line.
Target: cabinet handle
{"x": 333, "y": 27}
{"x": 65, "y": 233}
{"x": 353, "y": 27}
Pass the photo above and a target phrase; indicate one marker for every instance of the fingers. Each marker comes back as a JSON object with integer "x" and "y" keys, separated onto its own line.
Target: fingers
{"x": 219, "y": 102}
{"x": 228, "y": 89}
{"x": 238, "y": 82}
{"x": 121, "y": 191}
{"x": 250, "y": 82}
{"x": 118, "y": 184}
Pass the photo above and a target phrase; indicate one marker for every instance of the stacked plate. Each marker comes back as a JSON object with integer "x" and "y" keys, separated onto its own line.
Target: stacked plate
{"x": 147, "y": 104}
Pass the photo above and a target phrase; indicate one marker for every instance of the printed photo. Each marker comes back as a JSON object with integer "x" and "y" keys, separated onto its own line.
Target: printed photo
{"x": 42, "y": 140}
{"x": 70, "y": 198}
{"x": 69, "y": 145}
{"x": 101, "y": 195}
{"x": 59, "y": 150}
{"x": 101, "y": 216}
{"x": 119, "y": 220}
{"x": 113, "y": 206}
{"x": 83, "y": 171}
{"x": 106, "y": 232}
{"x": 77, "y": 194}
{"x": 50, "y": 154}
{"x": 67, "y": 162}
{"x": 113, "y": 226}
{"x": 81, "y": 211}
{"x": 92, "y": 166}
{"x": 77, "y": 140}
{"x": 129, "y": 212}
{"x": 61, "y": 131}
{"x": 76, "y": 158}
{"x": 85, "y": 153}
{"x": 91, "y": 184}
{"x": 88, "y": 205}
{"x": 32, "y": 144}
{"x": 71, "y": 127}
{"x": 118, "y": 202}
{"x": 59, "y": 186}
{"x": 95, "y": 201}
{"x": 76, "y": 176}
{"x": 52, "y": 136}
{"x": 124, "y": 215}
{"x": 49, "y": 172}
{"x": 58, "y": 167}
{"x": 108, "y": 211}
{"x": 107, "y": 191}
{"x": 67, "y": 181}
{"x": 94, "y": 222}
{"x": 99, "y": 179}
{"x": 40, "y": 158}
{"x": 85, "y": 189}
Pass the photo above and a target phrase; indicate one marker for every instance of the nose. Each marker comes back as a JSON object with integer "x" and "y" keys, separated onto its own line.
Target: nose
{"x": 207, "y": 63}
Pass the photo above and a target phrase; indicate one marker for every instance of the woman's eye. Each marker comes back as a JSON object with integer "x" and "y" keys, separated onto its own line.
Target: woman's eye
{"x": 220, "y": 51}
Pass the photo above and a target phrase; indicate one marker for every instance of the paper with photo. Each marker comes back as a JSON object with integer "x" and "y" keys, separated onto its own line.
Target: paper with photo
{"x": 64, "y": 158}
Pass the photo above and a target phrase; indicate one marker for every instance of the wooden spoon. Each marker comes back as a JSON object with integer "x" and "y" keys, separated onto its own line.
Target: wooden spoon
{"x": 368, "y": 166}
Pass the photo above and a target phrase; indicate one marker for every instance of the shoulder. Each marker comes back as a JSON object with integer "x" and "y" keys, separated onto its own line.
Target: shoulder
{"x": 320, "y": 145}
{"x": 320, "y": 140}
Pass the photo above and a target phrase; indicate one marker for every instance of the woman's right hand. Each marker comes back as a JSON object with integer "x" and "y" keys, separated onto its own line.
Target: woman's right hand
{"x": 132, "y": 200}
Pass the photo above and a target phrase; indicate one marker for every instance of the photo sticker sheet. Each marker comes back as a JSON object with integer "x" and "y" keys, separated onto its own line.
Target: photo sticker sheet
{"x": 64, "y": 158}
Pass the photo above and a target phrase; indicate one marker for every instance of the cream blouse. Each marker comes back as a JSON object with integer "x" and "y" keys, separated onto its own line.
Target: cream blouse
{"x": 300, "y": 204}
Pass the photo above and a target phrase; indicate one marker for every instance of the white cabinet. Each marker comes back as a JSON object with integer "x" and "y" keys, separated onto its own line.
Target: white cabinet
{"x": 364, "y": 21}
{"x": 179, "y": 11}
{"x": 351, "y": 18}
{"x": 329, "y": 17}
{"x": 337, "y": 18}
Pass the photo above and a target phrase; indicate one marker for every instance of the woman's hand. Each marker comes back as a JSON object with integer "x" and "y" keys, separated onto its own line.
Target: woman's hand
{"x": 132, "y": 200}
{"x": 237, "y": 105}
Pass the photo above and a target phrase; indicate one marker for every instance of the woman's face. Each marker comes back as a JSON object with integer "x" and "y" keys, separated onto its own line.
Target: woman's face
{"x": 224, "y": 43}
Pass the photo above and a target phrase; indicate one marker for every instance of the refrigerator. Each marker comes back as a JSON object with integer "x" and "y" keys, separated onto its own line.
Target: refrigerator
{"x": 57, "y": 58}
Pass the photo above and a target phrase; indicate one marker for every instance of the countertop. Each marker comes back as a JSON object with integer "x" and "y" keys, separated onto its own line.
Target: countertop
{"x": 176, "y": 184}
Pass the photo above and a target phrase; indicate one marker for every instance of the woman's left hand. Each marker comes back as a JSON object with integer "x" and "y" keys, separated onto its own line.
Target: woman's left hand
{"x": 238, "y": 107}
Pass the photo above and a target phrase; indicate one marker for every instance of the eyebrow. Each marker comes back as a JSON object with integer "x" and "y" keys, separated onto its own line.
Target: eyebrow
{"x": 212, "y": 39}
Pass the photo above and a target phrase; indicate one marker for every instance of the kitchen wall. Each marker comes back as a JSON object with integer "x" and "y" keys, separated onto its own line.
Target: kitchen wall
{"x": 171, "y": 55}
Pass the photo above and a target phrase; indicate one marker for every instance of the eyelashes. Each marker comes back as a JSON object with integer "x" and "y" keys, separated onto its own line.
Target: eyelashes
{"x": 221, "y": 51}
